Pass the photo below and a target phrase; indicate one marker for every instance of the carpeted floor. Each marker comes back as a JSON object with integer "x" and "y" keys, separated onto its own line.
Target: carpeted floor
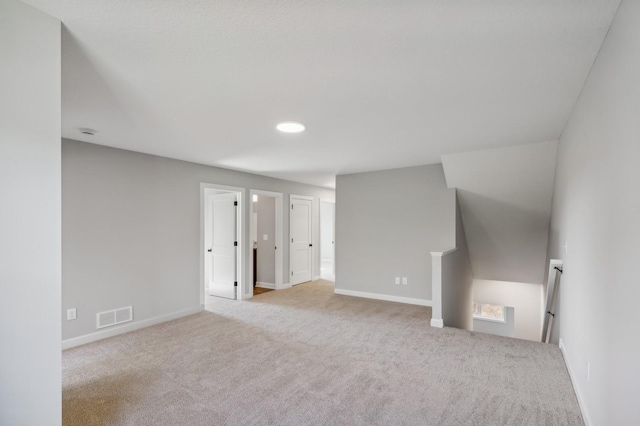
{"x": 306, "y": 356}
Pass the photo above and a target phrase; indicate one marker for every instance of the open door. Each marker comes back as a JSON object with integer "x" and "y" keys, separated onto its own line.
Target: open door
{"x": 301, "y": 239}
{"x": 222, "y": 244}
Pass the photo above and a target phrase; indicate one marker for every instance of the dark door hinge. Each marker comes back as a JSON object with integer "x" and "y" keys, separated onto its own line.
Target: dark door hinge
{"x": 235, "y": 203}
{"x": 235, "y": 244}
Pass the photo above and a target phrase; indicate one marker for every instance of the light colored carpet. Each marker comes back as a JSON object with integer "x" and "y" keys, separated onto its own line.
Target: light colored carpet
{"x": 306, "y": 356}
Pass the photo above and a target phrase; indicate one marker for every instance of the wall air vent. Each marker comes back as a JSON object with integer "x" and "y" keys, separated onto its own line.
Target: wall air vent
{"x": 116, "y": 316}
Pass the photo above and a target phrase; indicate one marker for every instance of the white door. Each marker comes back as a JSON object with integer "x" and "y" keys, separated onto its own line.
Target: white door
{"x": 327, "y": 240}
{"x": 223, "y": 245}
{"x": 301, "y": 240}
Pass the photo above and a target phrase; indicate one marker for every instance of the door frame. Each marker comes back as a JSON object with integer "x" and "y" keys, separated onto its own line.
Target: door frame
{"x": 279, "y": 205}
{"x": 314, "y": 247}
{"x": 333, "y": 236}
{"x": 241, "y": 261}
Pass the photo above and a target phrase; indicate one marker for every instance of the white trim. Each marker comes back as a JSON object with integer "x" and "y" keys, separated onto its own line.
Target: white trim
{"x": 437, "y": 323}
{"x": 283, "y": 286}
{"x": 103, "y": 334}
{"x": 304, "y": 197}
{"x": 436, "y": 288}
{"x": 315, "y": 278}
{"x": 443, "y": 253}
{"x": 265, "y": 285}
{"x": 581, "y": 403}
{"x": 386, "y": 297}
{"x": 499, "y": 321}
{"x": 242, "y": 258}
{"x": 483, "y": 318}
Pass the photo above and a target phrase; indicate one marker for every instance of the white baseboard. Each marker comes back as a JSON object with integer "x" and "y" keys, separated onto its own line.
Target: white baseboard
{"x": 388, "y": 298}
{"x": 315, "y": 278}
{"x": 438, "y": 323}
{"x": 283, "y": 286}
{"x": 331, "y": 278}
{"x": 265, "y": 285}
{"x": 581, "y": 403}
{"x": 103, "y": 334}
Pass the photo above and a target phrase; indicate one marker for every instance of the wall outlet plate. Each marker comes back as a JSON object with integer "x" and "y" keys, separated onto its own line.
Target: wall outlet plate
{"x": 71, "y": 314}
{"x": 397, "y": 280}
{"x": 404, "y": 281}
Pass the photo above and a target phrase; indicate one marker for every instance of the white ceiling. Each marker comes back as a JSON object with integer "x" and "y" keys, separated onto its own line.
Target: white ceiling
{"x": 379, "y": 84}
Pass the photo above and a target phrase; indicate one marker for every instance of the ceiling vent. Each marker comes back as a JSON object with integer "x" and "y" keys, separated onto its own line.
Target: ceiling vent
{"x": 116, "y": 316}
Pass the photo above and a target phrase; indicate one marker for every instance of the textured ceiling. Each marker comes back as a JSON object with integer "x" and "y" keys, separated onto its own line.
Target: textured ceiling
{"x": 379, "y": 84}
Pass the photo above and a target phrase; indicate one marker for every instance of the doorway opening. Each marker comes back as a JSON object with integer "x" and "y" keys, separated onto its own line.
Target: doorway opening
{"x": 327, "y": 240}
{"x": 221, "y": 247}
{"x": 266, "y": 252}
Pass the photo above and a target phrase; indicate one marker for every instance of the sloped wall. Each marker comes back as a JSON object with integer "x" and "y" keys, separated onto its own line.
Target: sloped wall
{"x": 505, "y": 199}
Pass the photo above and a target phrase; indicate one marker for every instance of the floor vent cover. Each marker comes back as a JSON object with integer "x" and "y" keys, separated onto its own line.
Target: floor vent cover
{"x": 116, "y": 316}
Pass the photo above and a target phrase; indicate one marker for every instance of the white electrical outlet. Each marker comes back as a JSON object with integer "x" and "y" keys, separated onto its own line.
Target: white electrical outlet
{"x": 564, "y": 247}
{"x": 397, "y": 280}
{"x": 71, "y": 314}
{"x": 265, "y": 237}
{"x": 404, "y": 280}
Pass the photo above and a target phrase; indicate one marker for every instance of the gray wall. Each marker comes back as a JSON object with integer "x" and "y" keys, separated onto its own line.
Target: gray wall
{"x": 131, "y": 230}
{"x": 387, "y": 222}
{"x": 266, "y": 265}
{"x": 596, "y": 210}
{"x": 30, "y": 364}
{"x": 327, "y": 223}
{"x": 457, "y": 282}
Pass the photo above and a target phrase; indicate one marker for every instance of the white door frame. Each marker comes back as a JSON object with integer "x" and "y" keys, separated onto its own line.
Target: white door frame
{"x": 333, "y": 236}
{"x": 313, "y": 243}
{"x": 241, "y": 237}
{"x": 279, "y": 196}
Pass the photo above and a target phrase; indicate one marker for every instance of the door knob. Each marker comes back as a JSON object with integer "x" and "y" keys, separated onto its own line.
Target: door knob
{"x": 310, "y": 245}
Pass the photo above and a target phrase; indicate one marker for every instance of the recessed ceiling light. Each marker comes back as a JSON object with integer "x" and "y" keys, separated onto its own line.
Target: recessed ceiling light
{"x": 87, "y": 131}
{"x": 290, "y": 127}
